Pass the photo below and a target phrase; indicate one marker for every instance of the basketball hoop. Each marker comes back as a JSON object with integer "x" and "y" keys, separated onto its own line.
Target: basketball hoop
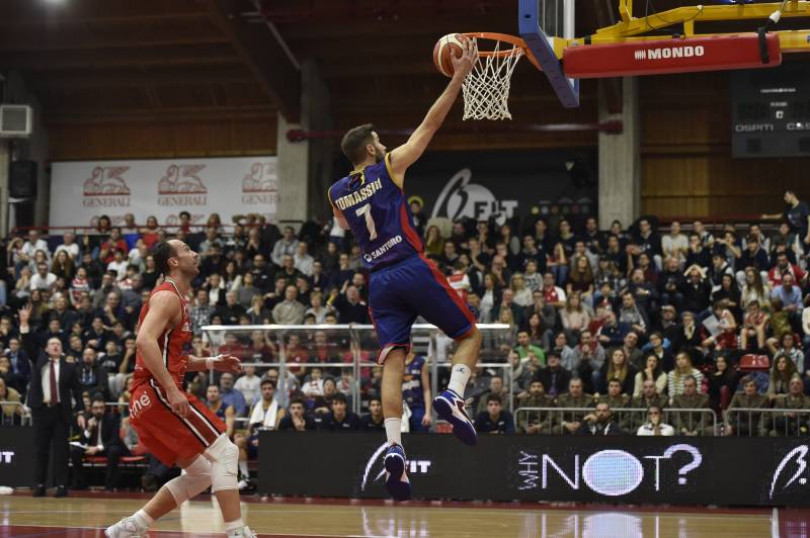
{"x": 486, "y": 88}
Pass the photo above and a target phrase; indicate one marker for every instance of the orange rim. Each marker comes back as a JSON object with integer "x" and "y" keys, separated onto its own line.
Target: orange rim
{"x": 516, "y": 42}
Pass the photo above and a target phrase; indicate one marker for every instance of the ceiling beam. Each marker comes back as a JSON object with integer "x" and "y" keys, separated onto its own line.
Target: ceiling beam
{"x": 349, "y": 47}
{"x": 142, "y": 19}
{"x": 178, "y": 55}
{"x": 431, "y": 29}
{"x": 166, "y": 115}
{"x": 67, "y": 39}
{"x": 352, "y": 69}
{"x": 262, "y": 52}
{"x": 141, "y": 79}
{"x": 355, "y": 103}
{"x": 280, "y": 11}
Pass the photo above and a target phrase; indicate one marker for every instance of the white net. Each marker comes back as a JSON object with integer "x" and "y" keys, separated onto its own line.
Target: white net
{"x": 486, "y": 88}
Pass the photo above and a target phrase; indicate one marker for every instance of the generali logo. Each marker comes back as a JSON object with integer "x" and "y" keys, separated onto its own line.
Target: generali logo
{"x": 182, "y": 186}
{"x": 106, "y": 187}
{"x": 668, "y": 53}
{"x": 260, "y": 184}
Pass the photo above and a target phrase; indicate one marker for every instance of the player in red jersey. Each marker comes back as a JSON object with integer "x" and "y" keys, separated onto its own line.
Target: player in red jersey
{"x": 174, "y": 426}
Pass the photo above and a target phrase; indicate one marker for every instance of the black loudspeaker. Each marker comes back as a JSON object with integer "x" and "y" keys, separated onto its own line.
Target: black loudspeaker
{"x": 22, "y": 179}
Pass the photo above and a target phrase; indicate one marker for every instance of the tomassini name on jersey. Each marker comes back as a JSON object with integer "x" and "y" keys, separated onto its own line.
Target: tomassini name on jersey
{"x": 360, "y": 195}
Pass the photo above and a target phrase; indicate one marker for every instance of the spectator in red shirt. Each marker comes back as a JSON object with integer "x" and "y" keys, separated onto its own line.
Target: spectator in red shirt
{"x": 555, "y": 296}
{"x": 296, "y": 355}
{"x": 113, "y": 243}
{"x": 150, "y": 234}
{"x": 784, "y": 267}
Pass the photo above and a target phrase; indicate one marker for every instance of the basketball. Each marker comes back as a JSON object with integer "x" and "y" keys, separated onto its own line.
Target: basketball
{"x": 447, "y": 47}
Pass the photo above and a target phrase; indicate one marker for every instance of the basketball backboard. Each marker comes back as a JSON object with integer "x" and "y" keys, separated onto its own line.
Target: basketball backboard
{"x": 540, "y": 22}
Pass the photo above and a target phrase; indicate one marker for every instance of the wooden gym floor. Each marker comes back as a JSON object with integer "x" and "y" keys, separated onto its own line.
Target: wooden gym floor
{"x": 86, "y": 516}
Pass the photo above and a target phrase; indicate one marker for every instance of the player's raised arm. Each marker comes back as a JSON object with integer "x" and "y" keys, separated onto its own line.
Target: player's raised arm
{"x": 409, "y": 152}
{"x": 164, "y": 310}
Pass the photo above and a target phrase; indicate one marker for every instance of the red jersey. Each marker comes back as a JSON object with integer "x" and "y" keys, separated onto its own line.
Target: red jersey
{"x": 174, "y": 343}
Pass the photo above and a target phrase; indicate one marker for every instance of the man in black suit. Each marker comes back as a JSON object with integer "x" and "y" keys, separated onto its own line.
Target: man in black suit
{"x": 555, "y": 378}
{"x": 54, "y": 381}
{"x": 600, "y": 422}
{"x": 101, "y": 438}
{"x": 20, "y": 366}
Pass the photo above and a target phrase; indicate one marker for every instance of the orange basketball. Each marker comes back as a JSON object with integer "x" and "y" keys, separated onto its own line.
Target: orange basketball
{"x": 447, "y": 47}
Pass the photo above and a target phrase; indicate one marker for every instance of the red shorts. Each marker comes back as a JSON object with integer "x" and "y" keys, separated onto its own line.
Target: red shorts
{"x": 165, "y": 434}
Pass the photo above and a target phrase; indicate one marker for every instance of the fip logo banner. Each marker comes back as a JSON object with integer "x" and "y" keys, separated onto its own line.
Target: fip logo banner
{"x": 501, "y": 184}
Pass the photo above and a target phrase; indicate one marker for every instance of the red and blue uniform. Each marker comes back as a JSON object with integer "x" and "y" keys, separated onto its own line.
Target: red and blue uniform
{"x": 404, "y": 284}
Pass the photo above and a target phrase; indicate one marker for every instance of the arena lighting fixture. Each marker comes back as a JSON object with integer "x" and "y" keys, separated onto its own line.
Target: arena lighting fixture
{"x": 54, "y": 2}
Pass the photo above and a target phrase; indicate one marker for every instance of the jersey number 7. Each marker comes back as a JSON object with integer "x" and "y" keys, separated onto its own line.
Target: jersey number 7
{"x": 366, "y": 212}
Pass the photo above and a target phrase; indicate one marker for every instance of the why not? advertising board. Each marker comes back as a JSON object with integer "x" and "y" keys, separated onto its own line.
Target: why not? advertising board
{"x": 82, "y": 191}
{"x": 682, "y": 471}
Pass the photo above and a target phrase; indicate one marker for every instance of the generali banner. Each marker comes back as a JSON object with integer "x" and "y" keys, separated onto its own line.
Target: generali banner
{"x": 83, "y": 191}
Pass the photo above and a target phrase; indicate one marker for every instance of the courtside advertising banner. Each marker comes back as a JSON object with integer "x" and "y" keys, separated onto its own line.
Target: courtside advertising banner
{"x": 17, "y": 453}
{"x": 626, "y": 470}
{"x": 83, "y": 191}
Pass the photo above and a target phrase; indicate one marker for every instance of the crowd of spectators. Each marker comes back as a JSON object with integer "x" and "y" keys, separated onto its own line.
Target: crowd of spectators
{"x": 645, "y": 317}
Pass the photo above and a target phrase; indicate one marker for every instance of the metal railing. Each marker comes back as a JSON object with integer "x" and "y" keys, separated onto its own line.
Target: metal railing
{"x": 14, "y": 414}
{"x": 629, "y": 419}
{"x": 361, "y": 351}
{"x": 774, "y": 422}
{"x": 507, "y": 376}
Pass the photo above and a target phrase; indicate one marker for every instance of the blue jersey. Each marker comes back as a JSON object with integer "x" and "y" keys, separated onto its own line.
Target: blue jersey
{"x": 378, "y": 215}
{"x": 412, "y": 390}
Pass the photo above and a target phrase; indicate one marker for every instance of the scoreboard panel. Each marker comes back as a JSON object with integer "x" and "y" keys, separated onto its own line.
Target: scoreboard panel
{"x": 771, "y": 112}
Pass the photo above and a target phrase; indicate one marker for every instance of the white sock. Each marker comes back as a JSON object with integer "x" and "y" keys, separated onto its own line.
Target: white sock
{"x": 460, "y": 375}
{"x": 234, "y": 525}
{"x": 143, "y": 519}
{"x": 393, "y": 429}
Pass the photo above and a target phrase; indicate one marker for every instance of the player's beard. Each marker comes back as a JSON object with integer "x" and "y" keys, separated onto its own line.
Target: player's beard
{"x": 379, "y": 155}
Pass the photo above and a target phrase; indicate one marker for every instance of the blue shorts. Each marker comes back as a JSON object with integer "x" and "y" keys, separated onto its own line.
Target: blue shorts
{"x": 411, "y": 288}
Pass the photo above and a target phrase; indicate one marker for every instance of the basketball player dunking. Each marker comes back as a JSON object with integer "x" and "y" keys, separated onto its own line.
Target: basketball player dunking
{"x": 404, "y": 283}
{"x": 173, "y": 426}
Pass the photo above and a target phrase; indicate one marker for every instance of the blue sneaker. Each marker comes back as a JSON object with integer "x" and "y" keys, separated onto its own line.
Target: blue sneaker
{"x": 397, "y": 481}
{"x": 450, "y": 407}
